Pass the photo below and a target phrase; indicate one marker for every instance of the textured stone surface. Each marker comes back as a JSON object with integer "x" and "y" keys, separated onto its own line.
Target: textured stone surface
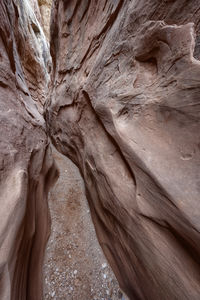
{"x": 26, "y": 165}
{"x": 125, "y": 108}
{"x": 45, "y": 11}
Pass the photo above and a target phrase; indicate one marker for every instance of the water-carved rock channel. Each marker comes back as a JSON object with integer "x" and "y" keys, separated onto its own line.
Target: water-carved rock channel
{"x": 115, "y": 87}
{"x": 74, "y": 267}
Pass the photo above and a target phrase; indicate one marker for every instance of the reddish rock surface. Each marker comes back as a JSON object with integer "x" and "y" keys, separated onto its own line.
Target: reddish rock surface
{"x": 27, "y": 169}
{"x": 124, "y": 108}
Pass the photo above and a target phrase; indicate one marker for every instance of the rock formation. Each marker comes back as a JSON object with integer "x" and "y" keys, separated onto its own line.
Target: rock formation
{"x": 45, "y": 12}
{"x": 27, "y": 169}
{"x": 124, "y": 107}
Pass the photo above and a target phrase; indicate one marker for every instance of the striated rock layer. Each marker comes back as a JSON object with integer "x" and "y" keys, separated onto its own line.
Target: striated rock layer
{"x": 27, "y": 169}
{"x": 125, "y": 109}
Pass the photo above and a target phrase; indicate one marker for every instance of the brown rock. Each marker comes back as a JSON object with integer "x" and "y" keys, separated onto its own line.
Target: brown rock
{"x": 27, "y": 169}
{"x": 45, "y": 11}
{"x": 125, "y": 108}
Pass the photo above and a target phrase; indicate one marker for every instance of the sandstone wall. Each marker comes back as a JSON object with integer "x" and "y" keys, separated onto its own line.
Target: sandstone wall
{"x": 125, "y": 108}
{"x": 45, "y": 11}
{"x": 27, "y": 169}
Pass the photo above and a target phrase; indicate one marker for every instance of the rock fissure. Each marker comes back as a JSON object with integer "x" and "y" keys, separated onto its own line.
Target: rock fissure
{"x": 119, "y": 96}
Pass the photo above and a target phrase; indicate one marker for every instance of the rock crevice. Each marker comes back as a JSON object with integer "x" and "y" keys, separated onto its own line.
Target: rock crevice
{"x": 123, "y": 105}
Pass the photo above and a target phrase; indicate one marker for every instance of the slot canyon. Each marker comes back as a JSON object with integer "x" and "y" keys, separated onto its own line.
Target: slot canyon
{"x": 100, "y": 149}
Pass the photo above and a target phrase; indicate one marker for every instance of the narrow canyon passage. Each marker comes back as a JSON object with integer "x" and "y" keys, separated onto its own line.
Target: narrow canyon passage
{"x": 74, "y": 267}
{"x": 115, "y": 87}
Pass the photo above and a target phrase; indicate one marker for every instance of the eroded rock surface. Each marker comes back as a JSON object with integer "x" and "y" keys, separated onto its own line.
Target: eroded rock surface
{"x": 125, "y": 108}
{"x": 27, "y": 169}
{"x": 45, "y": 12}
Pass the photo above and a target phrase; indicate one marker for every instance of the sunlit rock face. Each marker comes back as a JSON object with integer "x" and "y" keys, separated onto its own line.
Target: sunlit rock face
{"x": 45, "y": 11}
{"x": 26, "y": 166}
{"x": 125, "y": 108}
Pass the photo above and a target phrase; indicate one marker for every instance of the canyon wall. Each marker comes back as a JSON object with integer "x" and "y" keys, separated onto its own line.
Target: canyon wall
{"x": 27, "y": 168}
{"x": 124, "y": 107}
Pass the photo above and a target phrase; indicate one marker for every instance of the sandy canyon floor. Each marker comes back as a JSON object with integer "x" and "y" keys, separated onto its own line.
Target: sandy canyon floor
{"x": 75, "y": 267}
